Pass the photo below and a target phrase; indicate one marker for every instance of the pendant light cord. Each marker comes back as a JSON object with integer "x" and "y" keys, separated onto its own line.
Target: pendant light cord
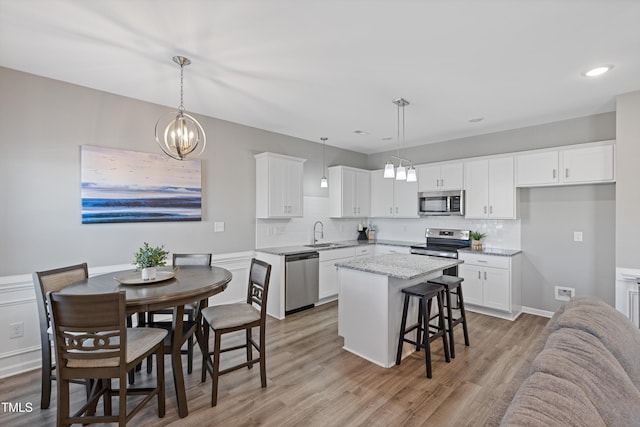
{"x": 181, "y": 108}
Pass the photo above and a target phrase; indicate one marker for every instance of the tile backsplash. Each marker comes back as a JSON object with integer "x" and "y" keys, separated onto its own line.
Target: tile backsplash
{"x": 503, "y": 234}
{"x": 297, "y": 231}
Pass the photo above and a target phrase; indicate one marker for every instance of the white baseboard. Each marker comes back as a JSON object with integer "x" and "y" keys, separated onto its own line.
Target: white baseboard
{"x": 537, "y": 312}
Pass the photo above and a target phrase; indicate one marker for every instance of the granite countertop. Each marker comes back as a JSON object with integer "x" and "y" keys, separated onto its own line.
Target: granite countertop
{"x": 400, "y": 266}
{"x": 295, "y": 249}
{"x": 493, "y": 251}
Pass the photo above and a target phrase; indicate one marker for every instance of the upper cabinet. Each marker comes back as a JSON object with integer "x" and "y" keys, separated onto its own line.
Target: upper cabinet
{"x": 441, "y": 177}
{"x": 490, "y": 188}
{"x": 578, "y": 164}
{"x": 391, "y": 198}
{"x": 278, "y": 186}
{"x": 349, "y": 192}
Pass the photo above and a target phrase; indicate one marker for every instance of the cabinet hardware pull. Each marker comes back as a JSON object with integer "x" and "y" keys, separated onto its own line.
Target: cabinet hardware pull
{"x": 390, "y": 210}
{"x": 437, "y": 183}
{"x": 482, "y": 260}
{"x": 485, "y": 208}
{"x": 485, "y": 275}
{"x": 396, "y": 209}
{"x": 479, "y": 277}
{"x": 491, "y": 209}
{"x": 566, "y": 173}
{"x": 554, "y": 173}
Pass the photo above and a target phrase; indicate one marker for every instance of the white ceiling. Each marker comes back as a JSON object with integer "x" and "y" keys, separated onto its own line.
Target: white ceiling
{"x": 313, "y": 68}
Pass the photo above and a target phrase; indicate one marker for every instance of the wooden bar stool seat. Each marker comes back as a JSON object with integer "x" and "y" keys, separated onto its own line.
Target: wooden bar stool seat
{"x": 426, "y": 292}
{"x": 453, "y": 285}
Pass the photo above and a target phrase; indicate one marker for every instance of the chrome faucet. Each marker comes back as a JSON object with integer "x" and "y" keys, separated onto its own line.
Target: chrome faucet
{"x": 315, "y": 241}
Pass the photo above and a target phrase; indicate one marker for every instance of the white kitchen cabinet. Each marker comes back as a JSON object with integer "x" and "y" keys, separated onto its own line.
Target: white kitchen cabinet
{"x": 441, "y": 177}
{"x": 349, "y": 192}
{"x": 538, "y": 168}
{"x": 328, "y": 272}
{"x": 576, "y": 164}
{"x": 585, "y": 165}
{"x": 391, "y": 198}
{"x": 389, "y": 249}
{"x": 492, "y": 282}
{"x": 364, "y": 251}
{"x": 278, "y": 186}
{"x": 490, "y": 188}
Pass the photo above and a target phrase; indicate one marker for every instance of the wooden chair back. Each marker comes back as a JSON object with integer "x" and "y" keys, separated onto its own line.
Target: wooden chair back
{"x": 55, "y": 280}
{"x": 89, "y": 332}
{"x": 192, "y": 259}
{"x": 258, "y": 289}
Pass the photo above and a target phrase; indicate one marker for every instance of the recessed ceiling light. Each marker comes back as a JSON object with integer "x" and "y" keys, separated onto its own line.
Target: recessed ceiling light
{"x": 361, "y": 132}
{"x": 598, "y": 71}
{"x": 476, "y": 119}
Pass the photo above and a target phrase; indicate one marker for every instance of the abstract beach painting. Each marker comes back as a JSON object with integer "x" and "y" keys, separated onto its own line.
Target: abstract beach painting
{"x": 130, "y": 186}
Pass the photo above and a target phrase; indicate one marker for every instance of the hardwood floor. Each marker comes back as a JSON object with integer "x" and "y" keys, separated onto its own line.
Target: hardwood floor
{"x": 312, "y": 381}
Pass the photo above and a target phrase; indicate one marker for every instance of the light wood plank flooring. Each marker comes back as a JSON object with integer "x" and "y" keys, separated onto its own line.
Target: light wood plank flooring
{"x": 312, "y": 381}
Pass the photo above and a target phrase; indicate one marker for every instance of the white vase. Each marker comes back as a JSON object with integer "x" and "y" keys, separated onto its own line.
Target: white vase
{"x": 149, "y": 273}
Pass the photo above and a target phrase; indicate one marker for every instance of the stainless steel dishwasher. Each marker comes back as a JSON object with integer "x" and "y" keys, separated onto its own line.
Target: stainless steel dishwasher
{"x": 300, "y": 281}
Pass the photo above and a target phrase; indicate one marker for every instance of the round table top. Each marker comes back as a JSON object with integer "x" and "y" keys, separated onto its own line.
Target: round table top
{"x": 190, "y": 284}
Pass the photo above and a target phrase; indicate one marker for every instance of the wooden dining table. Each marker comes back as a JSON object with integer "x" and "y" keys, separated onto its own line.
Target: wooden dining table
{"x": 189, "y": 284}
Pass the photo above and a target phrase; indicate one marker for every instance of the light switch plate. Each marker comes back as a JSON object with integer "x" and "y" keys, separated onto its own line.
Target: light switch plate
{"x": 577, "y": 236}
{"x": 218, "y": 227}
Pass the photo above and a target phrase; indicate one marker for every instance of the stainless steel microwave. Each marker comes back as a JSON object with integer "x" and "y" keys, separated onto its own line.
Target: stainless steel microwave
{"x": 441, "y": 203}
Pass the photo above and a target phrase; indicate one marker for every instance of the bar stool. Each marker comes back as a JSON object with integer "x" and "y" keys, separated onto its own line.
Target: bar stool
{"x": 426, "y": 292}
{"x": 453, "y": 285}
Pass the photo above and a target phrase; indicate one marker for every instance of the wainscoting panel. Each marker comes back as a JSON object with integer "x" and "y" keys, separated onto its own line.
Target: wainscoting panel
{"x": 628, "y": 293}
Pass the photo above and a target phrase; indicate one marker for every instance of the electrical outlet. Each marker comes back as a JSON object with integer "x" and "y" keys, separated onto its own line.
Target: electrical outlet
{"x": 16, "y": 330}
{"x": 577, "y": 236}
{"x": 218, "y": 227}
{"x": 564, "y": 293}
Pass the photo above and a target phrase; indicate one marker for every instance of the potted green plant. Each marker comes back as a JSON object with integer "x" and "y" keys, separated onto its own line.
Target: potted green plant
{"x": 476, "y": 236}
{"x": 148, "y": 258}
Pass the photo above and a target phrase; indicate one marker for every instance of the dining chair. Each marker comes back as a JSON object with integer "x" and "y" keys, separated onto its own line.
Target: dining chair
{"x": 223, "y": 319}
{"x": 45, "y": 281}
{"x": 92, "y": 341}
{"x": 196, "y": 259}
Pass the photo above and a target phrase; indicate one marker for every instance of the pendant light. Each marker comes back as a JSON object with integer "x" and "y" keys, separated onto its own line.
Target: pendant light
{"x": 179, "y": 134}
{"x": 323, "y": 181}
{"x": 401, "y": 173}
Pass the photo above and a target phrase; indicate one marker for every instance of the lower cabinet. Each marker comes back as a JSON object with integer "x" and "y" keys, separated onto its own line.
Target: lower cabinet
{"x": 492, "y": 282}
{"x": 389, "y": 249}
{"x": 328, "y": 272}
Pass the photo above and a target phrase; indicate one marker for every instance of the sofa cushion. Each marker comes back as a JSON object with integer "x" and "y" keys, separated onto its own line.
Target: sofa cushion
{"x": 581, "y": 358}
{"x": 503, "y": 400}
{"x": 612, "y": 328}
{"x": 546, "y": 400}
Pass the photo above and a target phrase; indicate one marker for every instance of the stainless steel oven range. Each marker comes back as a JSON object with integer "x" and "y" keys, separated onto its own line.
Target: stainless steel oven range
{"x": 445, "y": 244}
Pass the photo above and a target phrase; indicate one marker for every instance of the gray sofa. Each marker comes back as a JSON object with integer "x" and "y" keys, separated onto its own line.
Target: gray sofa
{"x": 585, "y": 372}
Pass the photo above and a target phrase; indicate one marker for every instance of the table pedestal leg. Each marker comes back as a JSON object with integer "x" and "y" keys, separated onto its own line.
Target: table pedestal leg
{"x": 176, "y": 360}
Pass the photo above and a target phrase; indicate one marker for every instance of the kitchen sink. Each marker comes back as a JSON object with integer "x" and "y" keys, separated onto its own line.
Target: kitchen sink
{"x": 325, "y": 245}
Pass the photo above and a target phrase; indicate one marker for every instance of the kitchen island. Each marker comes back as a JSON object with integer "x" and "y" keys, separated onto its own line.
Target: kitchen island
{"x": 370, "y": 301}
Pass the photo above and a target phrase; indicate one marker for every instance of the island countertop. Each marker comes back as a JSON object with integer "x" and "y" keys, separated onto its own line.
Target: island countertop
{"x": 400, "y": 266}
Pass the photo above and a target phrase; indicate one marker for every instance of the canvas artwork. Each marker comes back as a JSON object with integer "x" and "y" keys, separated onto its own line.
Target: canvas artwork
{"x": 130, "y": 186}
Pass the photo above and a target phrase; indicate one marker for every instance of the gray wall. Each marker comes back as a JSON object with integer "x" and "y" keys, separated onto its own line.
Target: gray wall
{"x": 628, "y": 181}
{"x": 549, "y": 217}
{"x": 44, "y": 122}
{"x": 599, "y": 127}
